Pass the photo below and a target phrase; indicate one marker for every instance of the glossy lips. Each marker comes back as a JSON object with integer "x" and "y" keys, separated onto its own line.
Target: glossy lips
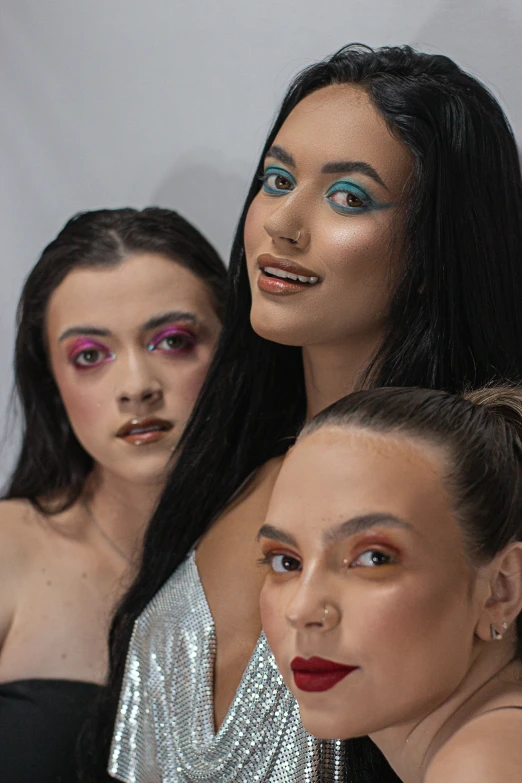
{"x": 139, "y": 432}
{"x": 318, "y": 674}
{"x": 281, "y": 276}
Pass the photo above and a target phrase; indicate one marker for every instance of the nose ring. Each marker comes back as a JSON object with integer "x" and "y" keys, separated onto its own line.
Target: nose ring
{"x": 296, "y": 240}
{"x": 325, "y": 615}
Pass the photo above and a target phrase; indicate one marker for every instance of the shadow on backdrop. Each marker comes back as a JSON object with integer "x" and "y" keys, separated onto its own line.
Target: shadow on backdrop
{"x": 210, "y": 194}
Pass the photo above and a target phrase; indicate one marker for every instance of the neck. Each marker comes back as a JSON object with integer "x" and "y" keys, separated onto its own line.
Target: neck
{"x": 335, "y": 370}
{"x": 123, "y": 508}
{"x": 410, "y": 747}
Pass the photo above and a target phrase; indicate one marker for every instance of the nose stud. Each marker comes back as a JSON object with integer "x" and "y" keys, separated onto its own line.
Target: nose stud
{"x": 330, "y": 616}
{"x": 322, "y": 618}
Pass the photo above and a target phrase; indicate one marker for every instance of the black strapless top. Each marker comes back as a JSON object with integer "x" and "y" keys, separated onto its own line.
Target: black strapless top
{"x": 40, "y": 722}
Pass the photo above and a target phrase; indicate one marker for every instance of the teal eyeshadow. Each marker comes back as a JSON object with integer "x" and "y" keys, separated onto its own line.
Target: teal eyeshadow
{"x": 351, "y": 187}
{"x": 276, "y": 170}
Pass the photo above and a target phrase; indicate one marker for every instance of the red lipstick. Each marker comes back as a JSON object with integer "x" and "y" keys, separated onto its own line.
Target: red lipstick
{"x": 318, "y": 674}
{"x": 281, "y": 276}
{"x": 139, "y": 432}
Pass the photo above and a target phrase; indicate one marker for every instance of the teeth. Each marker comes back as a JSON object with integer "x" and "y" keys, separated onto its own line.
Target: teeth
{"x": 270, "y": 270}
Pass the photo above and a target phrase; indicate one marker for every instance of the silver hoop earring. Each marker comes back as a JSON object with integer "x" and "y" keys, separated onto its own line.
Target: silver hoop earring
{"x": 296, "y": 240}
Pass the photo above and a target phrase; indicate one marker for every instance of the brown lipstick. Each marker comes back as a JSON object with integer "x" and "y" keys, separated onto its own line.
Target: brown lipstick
{"x": 282, "y": 276}
{"x": 139, "y": 432}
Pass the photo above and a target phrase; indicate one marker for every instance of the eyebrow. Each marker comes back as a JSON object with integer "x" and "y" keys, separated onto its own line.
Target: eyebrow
{"x": 361, "y": 523}
{"x": 280, "y": 154}
{"x": 333, "y": 167}
{"x": 152, "y": 323}
{"x": 269, "y": 531}
{"x": 338, "y": 533}
{"x": 76, "y": 331}
{"x": 168, "y": 318}
{"x": 352, "y": 167}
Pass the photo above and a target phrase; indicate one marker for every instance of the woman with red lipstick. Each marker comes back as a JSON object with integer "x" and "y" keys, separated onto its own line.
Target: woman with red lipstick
{"x": 393, "y": 596}
{"x": 379, "y": 245}
{"x": 116, "y": 329}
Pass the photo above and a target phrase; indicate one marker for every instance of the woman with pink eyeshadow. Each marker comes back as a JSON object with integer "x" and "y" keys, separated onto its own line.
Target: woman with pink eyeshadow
{"x": 116, "y": 329}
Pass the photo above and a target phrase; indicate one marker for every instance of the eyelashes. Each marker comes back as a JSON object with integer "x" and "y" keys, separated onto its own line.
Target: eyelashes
{"x": 348, "y": 197}
{"x": 175, "y": 341}
{"x": 280, "y": 563}
{"x": 373, "y": 557}
{"x": 277, "y": 182}
{"x": 345, "y": 196}
{"x": 86, "y": 354}
{"x": 364, "y": 556}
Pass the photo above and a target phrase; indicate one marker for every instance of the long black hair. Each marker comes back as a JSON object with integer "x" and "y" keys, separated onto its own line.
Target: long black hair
{"x": 455, "y": 317}
{"x": 52, "y": 465}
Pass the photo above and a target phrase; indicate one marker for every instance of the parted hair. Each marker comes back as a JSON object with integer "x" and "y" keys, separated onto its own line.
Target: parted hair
{"x": 52, "y": 465}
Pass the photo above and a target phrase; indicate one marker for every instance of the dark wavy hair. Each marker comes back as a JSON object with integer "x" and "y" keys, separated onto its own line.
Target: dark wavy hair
{"x": 480, "y": 433}
{"x": 463, "y": 253}
{"x": 52, "y": 463}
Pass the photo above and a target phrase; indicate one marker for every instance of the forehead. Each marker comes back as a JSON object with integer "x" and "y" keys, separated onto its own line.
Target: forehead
{"x": 339, "y": 123}
{"x": 337, "y": 473}
{"x": 143, "y": 284}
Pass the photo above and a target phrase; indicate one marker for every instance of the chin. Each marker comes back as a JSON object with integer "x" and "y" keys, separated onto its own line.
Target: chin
{"x": 331, "y": 724}
{"x": 148, "y": 469}
{"x": 278, "y": 328}
{"x": 325, "y": 726}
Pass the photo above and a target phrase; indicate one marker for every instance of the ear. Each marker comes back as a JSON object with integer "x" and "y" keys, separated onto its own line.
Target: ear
{"x": 502, "y": 601}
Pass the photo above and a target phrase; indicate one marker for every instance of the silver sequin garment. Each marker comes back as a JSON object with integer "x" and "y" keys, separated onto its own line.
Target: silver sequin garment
{"x": 164, "y": 729}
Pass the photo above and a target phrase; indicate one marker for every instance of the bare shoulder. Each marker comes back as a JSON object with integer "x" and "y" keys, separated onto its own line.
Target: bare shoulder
{"x": 18, "y": 529}
{"x": 22, "y": 531}
{"x": 19, "y": 536}
{"x": 486, "y": 750}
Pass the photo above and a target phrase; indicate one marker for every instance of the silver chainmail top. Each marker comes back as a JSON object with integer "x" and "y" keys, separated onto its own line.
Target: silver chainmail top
{"x": 164, "y": 729}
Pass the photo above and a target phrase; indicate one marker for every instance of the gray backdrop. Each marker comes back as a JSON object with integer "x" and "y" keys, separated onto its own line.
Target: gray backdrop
{"x": 115, "y": 103}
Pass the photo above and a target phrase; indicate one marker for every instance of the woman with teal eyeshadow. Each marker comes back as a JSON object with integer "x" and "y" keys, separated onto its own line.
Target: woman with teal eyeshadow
{"x": 369, "y": 253}
{"x": 345, "y": 196}
{"x": 116, "y": 328}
